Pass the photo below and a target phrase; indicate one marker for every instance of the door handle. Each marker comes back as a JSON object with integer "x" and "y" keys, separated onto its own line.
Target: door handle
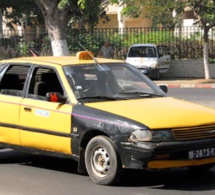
{"x": 27, "y": 109}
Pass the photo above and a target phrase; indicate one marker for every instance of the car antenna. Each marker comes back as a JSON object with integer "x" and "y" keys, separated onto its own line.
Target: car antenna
{"x": 93, "y": 57}
{"x": 88, "y": 53}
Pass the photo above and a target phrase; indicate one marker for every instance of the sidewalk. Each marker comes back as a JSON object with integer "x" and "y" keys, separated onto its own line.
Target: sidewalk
{"x": 186, "y": 83}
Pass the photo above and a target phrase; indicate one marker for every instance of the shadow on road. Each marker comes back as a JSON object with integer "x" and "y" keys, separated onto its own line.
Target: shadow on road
{"x": 174, "y": 179}
{"x": 8, "y": 156}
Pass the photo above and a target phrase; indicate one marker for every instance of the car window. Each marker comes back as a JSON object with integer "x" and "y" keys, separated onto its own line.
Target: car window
{"x": 43, "y": 80}
{"x": 116, "y": 81}
{"x": 163, "y": 50}
{"x": 142, "y": 51}
{"x": 12, "y": 82}
{"x": 130, "y": 81}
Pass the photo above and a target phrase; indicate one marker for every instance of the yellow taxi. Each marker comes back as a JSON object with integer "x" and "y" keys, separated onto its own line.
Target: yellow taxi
{"x": 103, "y": 113}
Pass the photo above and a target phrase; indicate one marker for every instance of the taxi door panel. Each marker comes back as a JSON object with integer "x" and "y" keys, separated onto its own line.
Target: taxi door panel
{"x": 46, "y": 125}
{"x": 9, "y": 119}
{"x": 13, "y": 77}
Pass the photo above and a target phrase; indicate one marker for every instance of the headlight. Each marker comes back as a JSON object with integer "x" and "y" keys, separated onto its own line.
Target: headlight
{"x": 140, "y": 136}
{"x": 154, "y": 65}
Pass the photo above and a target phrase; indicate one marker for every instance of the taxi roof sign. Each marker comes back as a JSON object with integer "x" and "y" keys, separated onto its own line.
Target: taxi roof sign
{"x": 85, "y": 55}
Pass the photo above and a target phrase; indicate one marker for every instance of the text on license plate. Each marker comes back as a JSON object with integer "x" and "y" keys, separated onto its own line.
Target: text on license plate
{"x": 143, "y": 71}
{"x": 202, "y": 153}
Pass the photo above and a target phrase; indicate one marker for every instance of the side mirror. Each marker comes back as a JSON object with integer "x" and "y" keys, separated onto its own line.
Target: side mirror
{"x": 55, "y": 97}
{"x": 164, "y": 88}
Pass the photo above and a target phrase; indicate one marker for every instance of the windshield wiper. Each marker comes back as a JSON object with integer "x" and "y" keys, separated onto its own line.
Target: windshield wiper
{"x": 141, "y": 94}
{"x": 100, "y": 98}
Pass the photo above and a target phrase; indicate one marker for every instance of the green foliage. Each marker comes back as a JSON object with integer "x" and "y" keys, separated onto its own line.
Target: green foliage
{"x": 133, "y": 11}
{"x": 204, "y": 11}
{"x": 160, "y": 11}
{"x": 46, "y": 49}
{"x": 7, "y": 52}
{"x": 19, "y": 9}
{"x": 13, "y": 41}
{"x": 180, "y": 46}
{"x": 149, "y": 36}
{"x": 63, "y": 3}
{"x": 24, "y": 50}
{"x": 90, "y": 41}
{"x": 85, "y": 13}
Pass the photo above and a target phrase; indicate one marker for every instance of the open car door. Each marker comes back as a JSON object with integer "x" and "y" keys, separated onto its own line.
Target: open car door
{"x": 164, "y": 58}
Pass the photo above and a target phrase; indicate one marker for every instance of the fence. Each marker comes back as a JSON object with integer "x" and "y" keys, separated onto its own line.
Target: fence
{"x": 184, "y": 42}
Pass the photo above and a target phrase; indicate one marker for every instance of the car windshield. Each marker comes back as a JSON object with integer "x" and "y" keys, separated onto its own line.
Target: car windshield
{"x": 110, "y": 81}
{"x": 142, "y": 51}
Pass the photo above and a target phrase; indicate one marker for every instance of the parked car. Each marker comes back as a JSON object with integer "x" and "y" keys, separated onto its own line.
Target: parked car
{"x": 103, "y": 113}
{"x": 150, "y": 59}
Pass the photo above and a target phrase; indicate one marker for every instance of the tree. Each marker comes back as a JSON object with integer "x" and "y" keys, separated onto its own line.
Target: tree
{"x": 58, "y": 13}
{"x": 163, "y": 16}
{"x": 204, "y": 12}
{"x": 160, "y": 11}
{"x": 56, "y": 20}
{"x": 19, "y": 11}
{"x": 87, "y": 13}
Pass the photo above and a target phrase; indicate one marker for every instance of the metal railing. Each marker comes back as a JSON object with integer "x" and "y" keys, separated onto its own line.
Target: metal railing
{"x": 183, "y": 42}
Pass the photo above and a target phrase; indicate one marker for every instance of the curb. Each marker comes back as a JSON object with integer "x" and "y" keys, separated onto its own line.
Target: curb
{"x": 174, "y": 85}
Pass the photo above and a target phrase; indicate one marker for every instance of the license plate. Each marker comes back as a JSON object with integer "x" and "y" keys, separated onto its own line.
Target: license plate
{"x": 202, "y": 153}
{"x": 143, "y": 71}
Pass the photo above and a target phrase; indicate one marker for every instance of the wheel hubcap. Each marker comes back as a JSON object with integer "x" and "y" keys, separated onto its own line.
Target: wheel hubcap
{"x": 101, "y": 162}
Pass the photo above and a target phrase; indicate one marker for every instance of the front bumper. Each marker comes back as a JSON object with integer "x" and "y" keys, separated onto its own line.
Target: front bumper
{"x": 150, "y": 72}
{"x": 148, "y": 155}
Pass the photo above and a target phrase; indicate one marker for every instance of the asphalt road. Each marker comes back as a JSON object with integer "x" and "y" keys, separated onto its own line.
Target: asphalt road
{"x": 204, "y": 96}
{"x": 24, "y": 174}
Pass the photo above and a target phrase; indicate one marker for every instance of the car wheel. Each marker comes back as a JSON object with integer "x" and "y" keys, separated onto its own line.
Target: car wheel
{"x": 102, "y": 161}
{"x": 157, "y": 75}
{"x": 201, "y": 167}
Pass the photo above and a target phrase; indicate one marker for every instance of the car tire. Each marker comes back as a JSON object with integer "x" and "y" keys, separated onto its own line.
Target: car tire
{"x": 102, "y": 161}
{"x": 157, "y": 75}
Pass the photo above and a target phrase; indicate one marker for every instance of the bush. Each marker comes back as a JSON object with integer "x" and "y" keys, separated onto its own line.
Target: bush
{"x": 13, "y": 41}
{"x": 45, "y": 49}
{"x": 7, "y": 52}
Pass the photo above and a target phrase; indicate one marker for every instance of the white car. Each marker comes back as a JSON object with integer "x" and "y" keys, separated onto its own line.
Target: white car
{"x": 150, "y": 59}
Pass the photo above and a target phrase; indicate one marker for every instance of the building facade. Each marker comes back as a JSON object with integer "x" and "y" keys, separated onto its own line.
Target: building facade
{"x": 118, "y": 20}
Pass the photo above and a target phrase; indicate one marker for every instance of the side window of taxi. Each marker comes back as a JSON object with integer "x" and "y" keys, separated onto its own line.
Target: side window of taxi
{"x": 13, "y": 79}
{"x": 44, "y": 80}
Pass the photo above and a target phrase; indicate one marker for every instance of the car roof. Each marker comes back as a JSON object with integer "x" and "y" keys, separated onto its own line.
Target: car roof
{"x": 143, "y": 44}
{"x": 58, "y": 61}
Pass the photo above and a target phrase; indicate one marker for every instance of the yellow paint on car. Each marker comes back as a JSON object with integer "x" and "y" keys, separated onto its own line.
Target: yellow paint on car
{"x": 159, "y": 113}
{"x": 162, "y": 164}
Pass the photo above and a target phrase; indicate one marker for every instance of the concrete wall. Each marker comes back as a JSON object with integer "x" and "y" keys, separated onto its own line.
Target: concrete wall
{"x": 188, "y": 69}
